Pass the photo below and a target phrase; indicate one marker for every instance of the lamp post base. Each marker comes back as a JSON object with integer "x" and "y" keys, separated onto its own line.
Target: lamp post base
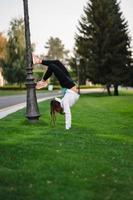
{"x": 33, "y": 119}
{"x": 32, "y": 111}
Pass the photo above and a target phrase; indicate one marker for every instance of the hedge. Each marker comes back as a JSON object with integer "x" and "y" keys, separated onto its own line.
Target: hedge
{"x": 55, "y": 87}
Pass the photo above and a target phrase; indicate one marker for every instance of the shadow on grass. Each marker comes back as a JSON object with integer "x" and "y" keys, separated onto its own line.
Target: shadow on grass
{"x": 124, "y": 92}
{"x": 38, "y": 123}
{"x": 95, "y": 94}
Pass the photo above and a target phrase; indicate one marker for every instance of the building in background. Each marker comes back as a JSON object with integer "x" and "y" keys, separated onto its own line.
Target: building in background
{"x": 1, "y": 78}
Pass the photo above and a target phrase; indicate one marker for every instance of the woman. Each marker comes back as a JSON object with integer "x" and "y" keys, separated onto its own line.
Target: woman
{"x": 63, "y": 105}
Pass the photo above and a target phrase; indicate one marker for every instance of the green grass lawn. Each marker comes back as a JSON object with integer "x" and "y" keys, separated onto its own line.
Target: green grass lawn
{"x": 92, "y": 161}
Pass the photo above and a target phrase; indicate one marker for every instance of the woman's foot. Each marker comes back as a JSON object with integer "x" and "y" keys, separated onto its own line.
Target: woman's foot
{"x": 41, "y": 84}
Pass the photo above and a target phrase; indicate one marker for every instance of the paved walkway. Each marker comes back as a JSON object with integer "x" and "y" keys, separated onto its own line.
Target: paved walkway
{"x": 14, "y": 106}
{"x": 6, "y": 101}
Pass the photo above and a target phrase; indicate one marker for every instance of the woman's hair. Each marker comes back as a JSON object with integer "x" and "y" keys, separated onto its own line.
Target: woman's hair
{"x": 55, "y": 107}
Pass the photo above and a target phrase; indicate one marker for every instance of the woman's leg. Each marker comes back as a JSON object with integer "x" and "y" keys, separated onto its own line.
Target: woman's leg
{"x": 57, "y": 63}
{"x": 61, "y": 75}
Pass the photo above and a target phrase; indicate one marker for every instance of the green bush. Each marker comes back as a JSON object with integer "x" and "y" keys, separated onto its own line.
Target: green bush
{"x": 12, "y": 87}
{"x": 55, "y": 87}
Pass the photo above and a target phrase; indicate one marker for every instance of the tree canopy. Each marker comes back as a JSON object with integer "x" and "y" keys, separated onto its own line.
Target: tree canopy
{"x": 103, "y": 43}
{"x": 56, "y": 49}
{"x": 3, "y": 42}
{"x": 14, "y": 63}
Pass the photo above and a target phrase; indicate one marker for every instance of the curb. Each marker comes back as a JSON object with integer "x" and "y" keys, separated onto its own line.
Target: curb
{"x": 11, "y": 109}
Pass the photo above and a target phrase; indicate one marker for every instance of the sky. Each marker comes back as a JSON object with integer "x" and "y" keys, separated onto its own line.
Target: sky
{"x": 56, "y": 18}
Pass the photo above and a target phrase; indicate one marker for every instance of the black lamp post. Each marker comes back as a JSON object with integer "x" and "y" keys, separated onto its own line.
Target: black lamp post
{"x": 78, "y": 75}
{"x": 32, "y": 111}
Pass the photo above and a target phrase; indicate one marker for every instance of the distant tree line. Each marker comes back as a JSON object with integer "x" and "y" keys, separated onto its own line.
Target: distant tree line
{"x": 13, "y": 60}
{"x": 12, "y": 53}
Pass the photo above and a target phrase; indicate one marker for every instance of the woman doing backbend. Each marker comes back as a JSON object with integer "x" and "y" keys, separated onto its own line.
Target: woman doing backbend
{"x": 71, "y": 94}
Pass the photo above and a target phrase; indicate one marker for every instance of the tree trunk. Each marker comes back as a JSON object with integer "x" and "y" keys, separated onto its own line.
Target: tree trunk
{"x": 116, "y": 93}
{"x": 20, "y": 85}
{"x": 108, "y": 89}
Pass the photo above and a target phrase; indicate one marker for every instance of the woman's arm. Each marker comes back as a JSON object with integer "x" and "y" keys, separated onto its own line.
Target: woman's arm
{"x": 67, "y": 112}
{"x": 57, "y": 63}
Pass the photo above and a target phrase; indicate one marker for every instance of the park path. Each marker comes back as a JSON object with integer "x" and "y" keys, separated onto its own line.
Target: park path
{"x": 6, "y": 101}
{"x": 13, "y": 103}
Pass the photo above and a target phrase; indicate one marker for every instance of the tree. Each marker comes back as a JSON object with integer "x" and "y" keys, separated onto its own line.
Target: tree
{"x": 79, "y": 73}
{"x": 14, "y": 65}
{"x": 56, "y": 49}
{"x": 3, "y": 42}
{"x": 130, "y": 77}
{"x": 104, "y": 44}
